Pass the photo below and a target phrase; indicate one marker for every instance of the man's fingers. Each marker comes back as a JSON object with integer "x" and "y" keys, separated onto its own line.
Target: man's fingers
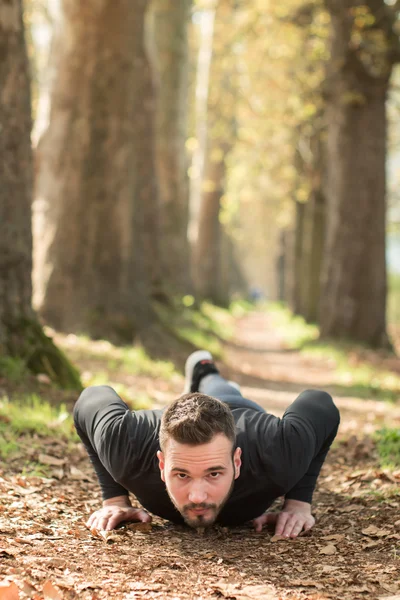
{"x": 297, "y": 528}
{"x": 281, "y": 523}
{"x": 143, "y": 516}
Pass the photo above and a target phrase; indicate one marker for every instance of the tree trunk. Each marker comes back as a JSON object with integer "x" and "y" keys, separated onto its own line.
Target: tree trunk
{"x": 207, "y": 255}
{"x": 96, "y": 196}
{"x": 20, "y": 334}
{"x": 221, "y": 131}
{"x": 296, "y": 299}
{"x": 169, "y": 24}
{"x": 316, "y": 234}
{"x": 354, "y": 273}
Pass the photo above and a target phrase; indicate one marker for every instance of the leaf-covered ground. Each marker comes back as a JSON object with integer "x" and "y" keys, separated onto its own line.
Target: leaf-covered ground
{"x": 352, "y": 553}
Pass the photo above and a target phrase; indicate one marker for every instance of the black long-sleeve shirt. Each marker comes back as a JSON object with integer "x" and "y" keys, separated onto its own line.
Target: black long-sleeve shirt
{"x": 280, "y": 457}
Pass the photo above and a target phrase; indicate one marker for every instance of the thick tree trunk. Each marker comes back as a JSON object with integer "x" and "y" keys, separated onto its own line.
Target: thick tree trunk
{"x": 96, "y": 197}
{"x": 221, "y": 131}
{"x": 354, "y": 273}
{"x": 20, "y": 334}
{"x": 207, "y": 256}
{"x": 169, "y": 24}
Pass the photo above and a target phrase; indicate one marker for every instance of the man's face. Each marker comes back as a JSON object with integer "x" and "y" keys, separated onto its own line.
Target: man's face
{"x": 199, "y": 479}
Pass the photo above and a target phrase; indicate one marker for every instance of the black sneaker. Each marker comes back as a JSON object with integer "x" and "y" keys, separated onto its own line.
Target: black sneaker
{"x": 198, "y": 365}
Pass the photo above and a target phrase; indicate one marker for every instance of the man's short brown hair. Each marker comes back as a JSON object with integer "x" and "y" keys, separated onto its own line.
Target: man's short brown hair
{"x": 195, "y": 419}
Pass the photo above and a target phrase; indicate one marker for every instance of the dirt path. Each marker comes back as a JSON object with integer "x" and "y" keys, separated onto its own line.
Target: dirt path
{"x": 353, "y": 552}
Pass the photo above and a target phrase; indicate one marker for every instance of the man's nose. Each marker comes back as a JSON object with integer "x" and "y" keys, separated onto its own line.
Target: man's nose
{"x": 197, "y": 494}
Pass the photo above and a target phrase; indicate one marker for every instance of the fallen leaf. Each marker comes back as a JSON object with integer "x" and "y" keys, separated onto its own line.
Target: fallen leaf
{"x": 303, "y": 583}
{"x": 46, "y": 459}
{"x": 107, "y": 536}
{"x": 350, "y": 508}
{"x": 278, "y": 538}
{"x": 329, "y": 568}
{"x": 50, "y": 592}
{"x": 371, "y": 544}
{"x": 77, "y": 474}
{"x": 143, "y": 527}
{"x": 375, "y": 531}
{"x": 329, "y": 549}
{"x": 9, "y": 591}
{"x": 337, "y": 537}
{"x": 248, "y": 592}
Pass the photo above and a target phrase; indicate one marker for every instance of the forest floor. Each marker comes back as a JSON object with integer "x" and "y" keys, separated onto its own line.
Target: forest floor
{"x": 352, "y": 553}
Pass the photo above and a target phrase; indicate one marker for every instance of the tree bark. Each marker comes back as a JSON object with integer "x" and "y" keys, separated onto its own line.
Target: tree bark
{"x": 298, "y": 272}
{"x": 313, "y": 254}
{"x": 169, "y": 24}
{"x": 354, "y": 273}
{"x": 221, "y": 131}
{"x": 96, "y": 195}
{"x": 21, "y": 336}
{"x": 208, "y": 248}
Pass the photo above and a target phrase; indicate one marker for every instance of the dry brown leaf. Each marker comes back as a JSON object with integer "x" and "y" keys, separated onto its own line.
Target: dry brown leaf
{"x": 350, "y": 508}
{"x": 248, "y": 592}
{"x": 50, "y": 592}
{"x": 329, "y": 549}
{"x": 304, "y": 583}
{"x": 337, "y": 537}
{"x": 46, "y": 459}
{"x": 329, "y": 568}
{"x": 28, "y": 589}
{"x": 371, "y": 530}
{"x": 9, "y": 591}
{"x": 58, "y": 473}
{"x": 389, "y": 597}
{"x": 77, "y": 474}
{"x": 278, "y": 538}
{"x": 371, "y": 544}
{"x": 375, "y": 531}
{"x": 143, "y": 527}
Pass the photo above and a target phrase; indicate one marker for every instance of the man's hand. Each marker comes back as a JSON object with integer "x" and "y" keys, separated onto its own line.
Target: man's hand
{"x": 114, "y": 511}
{"x": 295, "y": 517}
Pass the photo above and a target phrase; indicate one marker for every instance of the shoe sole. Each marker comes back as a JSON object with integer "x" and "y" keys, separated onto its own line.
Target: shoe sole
{"x": 190, "y": 364}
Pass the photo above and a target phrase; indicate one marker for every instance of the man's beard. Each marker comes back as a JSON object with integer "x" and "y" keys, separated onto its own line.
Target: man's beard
{"x": 202, "y": 520}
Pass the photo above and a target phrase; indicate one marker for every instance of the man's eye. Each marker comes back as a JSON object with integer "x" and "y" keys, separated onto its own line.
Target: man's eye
{"x": 181, "y": 475}
{"x": 215, "y": 475}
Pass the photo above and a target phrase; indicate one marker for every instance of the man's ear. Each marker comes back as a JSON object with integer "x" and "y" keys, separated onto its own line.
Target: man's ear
{"x": 161, "y": 463}
{"x": 237, "y": 461}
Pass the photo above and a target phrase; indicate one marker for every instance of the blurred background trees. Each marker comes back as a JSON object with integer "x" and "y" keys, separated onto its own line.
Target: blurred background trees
{"x": 200, "y": 149}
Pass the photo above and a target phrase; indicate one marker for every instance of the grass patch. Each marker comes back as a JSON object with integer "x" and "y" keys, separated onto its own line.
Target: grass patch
{"x": 102, "y": 361}
{"x": 352, "y": 374}
{"x": 203, "y": 326}
{"x": 13, "y": 369}
{"x": 388, "y": 446}
{"x": 293, "y": 329}
{"x": 23, "y": 421}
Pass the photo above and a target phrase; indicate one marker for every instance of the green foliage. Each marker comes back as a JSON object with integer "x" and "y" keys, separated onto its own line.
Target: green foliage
{"x": 12, "y": 368}
{"x": 388, "y": 445}
{"x": 202, "y": 326}
{"x": 21, "y": 421}
{"x": 106, "y": 359}
{"x": 293, "y": 329}
{"x": 352, "y": 374}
